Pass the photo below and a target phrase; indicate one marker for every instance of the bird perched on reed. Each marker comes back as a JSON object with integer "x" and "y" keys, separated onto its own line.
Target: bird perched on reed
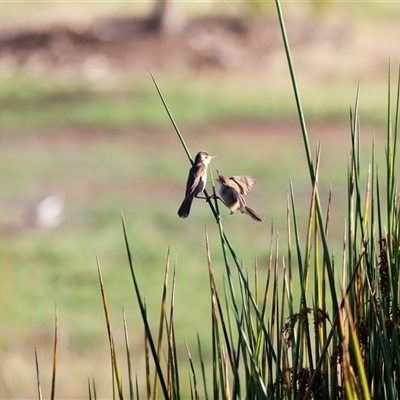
{"x": 232, "y": 191}
{"x": 196, "y": 181}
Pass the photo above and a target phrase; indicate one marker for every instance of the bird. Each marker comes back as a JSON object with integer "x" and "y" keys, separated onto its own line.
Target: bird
{"x": 196, "y": 181}
{"x": 232, "y": 191}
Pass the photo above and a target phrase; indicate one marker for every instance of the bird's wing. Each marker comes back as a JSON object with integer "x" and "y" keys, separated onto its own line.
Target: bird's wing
{"x": 194, "y": 179}
{"x": 243, "y": 184}
{"x": 242, "y": 202}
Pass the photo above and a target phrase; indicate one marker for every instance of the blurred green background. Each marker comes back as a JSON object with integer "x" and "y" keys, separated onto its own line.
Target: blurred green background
{"x": 80, "y": 119}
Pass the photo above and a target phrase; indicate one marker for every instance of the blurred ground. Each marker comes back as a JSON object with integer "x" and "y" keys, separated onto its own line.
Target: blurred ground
{"x": 115, "y": 45}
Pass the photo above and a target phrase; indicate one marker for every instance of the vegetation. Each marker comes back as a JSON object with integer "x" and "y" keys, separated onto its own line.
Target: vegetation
{"x": 338, "y": 340}
{"x": 266, "y": 335}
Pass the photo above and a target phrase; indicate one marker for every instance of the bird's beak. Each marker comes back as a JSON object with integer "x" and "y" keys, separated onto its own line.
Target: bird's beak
{"x": 213, "y": 156}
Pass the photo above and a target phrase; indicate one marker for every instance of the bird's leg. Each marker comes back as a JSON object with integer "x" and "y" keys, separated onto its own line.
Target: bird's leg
{"x": 226, "y": 216}
{"x": 204, "y": 198}
{"x": 207, "y": 199}
{"x": 219, "y": 219}
{"x": 213, "y": 196}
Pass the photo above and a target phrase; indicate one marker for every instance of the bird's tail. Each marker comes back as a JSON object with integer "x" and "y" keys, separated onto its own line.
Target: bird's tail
{"x": 184, "y": 209}
{"x": 249, "y": 211}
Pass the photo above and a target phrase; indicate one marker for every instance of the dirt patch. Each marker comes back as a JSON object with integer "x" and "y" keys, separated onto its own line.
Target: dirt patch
{"x": 114, "y": 45}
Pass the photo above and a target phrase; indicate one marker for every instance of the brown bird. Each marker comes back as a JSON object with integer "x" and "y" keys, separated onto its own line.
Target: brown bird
{"x": 232, "y": 191}
{"x": 196, "y": 181}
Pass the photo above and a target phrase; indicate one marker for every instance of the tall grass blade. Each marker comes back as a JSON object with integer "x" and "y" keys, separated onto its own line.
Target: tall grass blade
{"x": 38, "y": 376}
{"x": 203, "y": 372}
{"x": 226, "y": 376}
{"x": 266, "y": 289}
{"x": 55, "y": 349}
{"x": 289, "y": 288}
{"x": 292, "y": 339}
{"x": 128, "y": 356}
{"x": 326, "y": 253}
{"x": 171, "y": 117}
{"x": 214, "y": 331}
{"x": 114, "y": 365}
{"x": 216, "y": 302}
{"x": 161, "y": 324}
{"x": 275, "y": 302}
{"x": 243, "y": 278}
{"x": 92, "y": 390}
{"x": 137, "y": 387}
{"x": 191, "y": 389}
{"x": 172, "y": 363}
{"x": 216, "y": 341}
{"x": 355, "y": 345}
{"x": 170, "y": 366}
{"x": 261, "y": 389}
{"x": 348, "y": 381}
{"x": 215, "y": 213}
{"x": 143, "y": 313}
{"x": 335, "y": 323}
{"x": 147, "y": 356}
{"x": 89, "y": 390}
{"x": 396, "y": 299}
{"x": 196, "y": 393}
{"x": 389, "y": 164}
{"x": 177, "y": 380}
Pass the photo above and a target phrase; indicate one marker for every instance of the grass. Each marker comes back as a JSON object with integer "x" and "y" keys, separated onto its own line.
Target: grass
{"x": 54, "y": 104}
{"x": 343, "y": 355}
{"x": 98, "y": 175}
